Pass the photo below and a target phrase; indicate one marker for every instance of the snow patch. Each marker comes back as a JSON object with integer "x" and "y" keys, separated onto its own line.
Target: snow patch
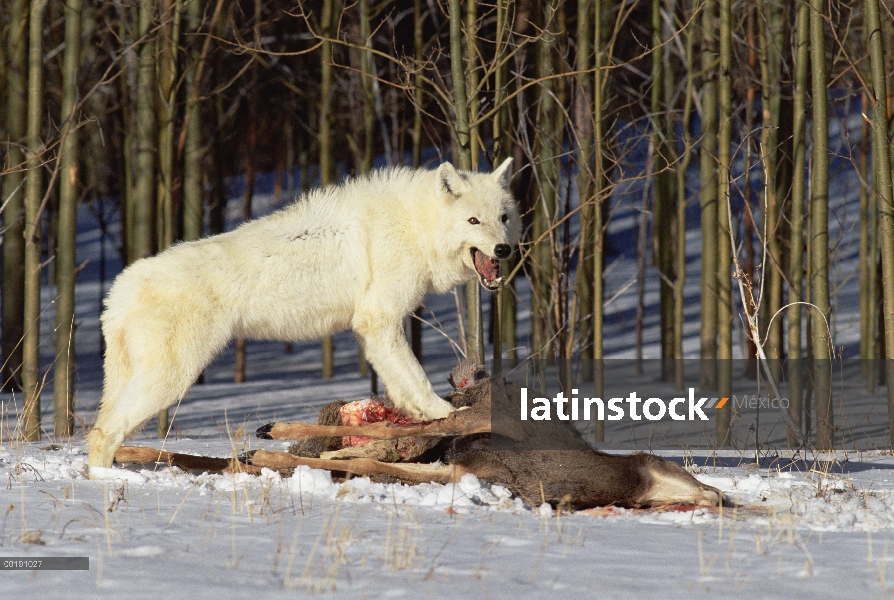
{"x": 114, "y": 474}
{"x": 311, "y": 481}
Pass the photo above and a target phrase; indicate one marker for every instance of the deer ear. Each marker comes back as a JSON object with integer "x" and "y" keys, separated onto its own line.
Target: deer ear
{"x": 503, "y": 173}
{"x": 450, "y": 182}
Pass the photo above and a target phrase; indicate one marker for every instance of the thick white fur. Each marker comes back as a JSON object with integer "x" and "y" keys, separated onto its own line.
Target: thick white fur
{"x": 361, "y": 255}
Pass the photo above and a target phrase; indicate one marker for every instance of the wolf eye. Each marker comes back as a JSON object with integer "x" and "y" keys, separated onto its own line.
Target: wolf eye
{"x": 474, "y": 221}
{"x": 504, "y": 218}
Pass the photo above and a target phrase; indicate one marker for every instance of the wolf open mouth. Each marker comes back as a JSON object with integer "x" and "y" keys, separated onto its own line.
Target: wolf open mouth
{"x": 488, "y": 270}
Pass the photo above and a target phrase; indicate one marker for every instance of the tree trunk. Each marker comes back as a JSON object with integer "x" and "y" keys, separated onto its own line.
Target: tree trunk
{"x": 474, "y": 313}
{"x": 458, "y": 75}
{"x": 642, "y": 248}
{"x": 167, "y": 77}
{"x": 751, "y": 369}
{"x": 884, "y": 190}
{"x": 663, "y": 187}
{"x": 505, "y": 305}
{"x": 462, "y": 135}
{"x": 219, "y": 198}
{"x": 867, "y": 325}
{"x": 146, "y": 139}
{"x": 13, "y": 195}
{"x": 369, "y": 122}
{"x": 369, "y": 98}
{"x": 472, "y": 81}
{"x": 416, "y": 134}
{"x": 192, "y": 166}
{"x": 819, "y": 232}
{"x": 63, "y": 395}
{"x": 584, "y": 139}
{"x": 724, "y": 252}
{"x": 127, "y": 30}
{"x": 418, "y": 23}
{"x": 547, "y": 144}
{"x": 144, "y": 192}
{"x": 601, "y": 191}
{"x": 247, "y": 199}
{"x": 708, "y": 198}
{"x": 327, "y": 165}
{"x": 34, "y": 153}
{"x": 796, "y": 259}
{"x": 771, "y": 74}
{"x": 874, "y": 266}
{"x": 682, "y": 169}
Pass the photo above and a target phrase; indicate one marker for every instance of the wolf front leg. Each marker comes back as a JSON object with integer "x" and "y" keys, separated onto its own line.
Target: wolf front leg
{"x": 407, "y": 385}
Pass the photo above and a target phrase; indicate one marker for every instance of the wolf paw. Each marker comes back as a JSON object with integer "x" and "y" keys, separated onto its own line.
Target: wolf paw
{"x": 263, "y": 432}
{"x": 435, "y": 409}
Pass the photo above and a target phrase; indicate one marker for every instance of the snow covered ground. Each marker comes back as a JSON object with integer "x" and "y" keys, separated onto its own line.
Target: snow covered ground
{"x": 803, "y": 532}
{"x": 812, "y": 526}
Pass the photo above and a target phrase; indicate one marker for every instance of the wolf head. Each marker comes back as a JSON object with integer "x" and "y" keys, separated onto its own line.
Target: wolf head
{"x": 483, "y": 221}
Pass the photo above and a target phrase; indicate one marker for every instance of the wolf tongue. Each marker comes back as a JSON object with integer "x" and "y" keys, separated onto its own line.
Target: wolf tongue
{"x": 488, "y": 267}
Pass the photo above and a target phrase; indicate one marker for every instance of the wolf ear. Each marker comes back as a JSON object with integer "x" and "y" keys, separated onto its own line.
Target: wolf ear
{"x": 503, "y": 173}
{"x": 450, "y": 182}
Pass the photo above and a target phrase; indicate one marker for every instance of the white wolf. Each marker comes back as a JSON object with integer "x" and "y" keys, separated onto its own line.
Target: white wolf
{"x": 361, "y": 255}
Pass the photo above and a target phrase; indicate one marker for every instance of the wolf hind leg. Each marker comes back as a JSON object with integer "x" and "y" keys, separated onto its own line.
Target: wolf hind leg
{"x": 119, "y": 416}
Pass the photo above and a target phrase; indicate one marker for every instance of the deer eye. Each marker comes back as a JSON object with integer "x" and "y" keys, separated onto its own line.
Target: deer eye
{"x": 504, "y": 218}
{"x": 474, "y": 221}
